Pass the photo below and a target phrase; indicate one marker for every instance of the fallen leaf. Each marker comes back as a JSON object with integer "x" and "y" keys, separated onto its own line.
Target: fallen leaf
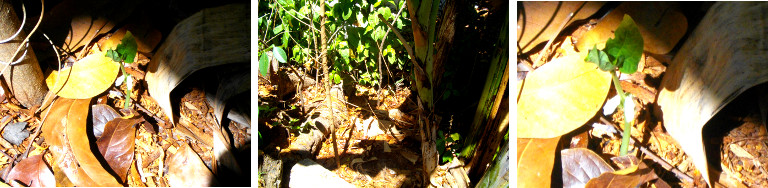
{"x": 535, "y": 160}
{"x": 87, "y": 78}
{"x": 33, "y": 172}
{"x": 539, "y": 21}
{"x": 580, "y": 165}
{"x": 710, "y": 70}
{"x": 559, "y": 97}
{"x": 231, "y": 83}
{"x": 116, "y": 145}
{"x": 186, "y": 169}
{"x": 633, "y": 176}
{"x": 146, "y": 38}
{"x": 82, "y": 20}
{"x": 64, "y": 130}
{"x": 661, "y": 25}
{"x": 190, "y": 47}
{"x": 101, "y": 114}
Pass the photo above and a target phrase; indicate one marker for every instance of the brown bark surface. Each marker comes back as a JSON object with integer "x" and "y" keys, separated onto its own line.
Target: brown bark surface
{"x": 25, "y": 79}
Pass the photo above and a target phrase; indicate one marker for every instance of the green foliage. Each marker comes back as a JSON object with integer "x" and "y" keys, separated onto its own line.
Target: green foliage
{"x": 263, "y": 64}
{"x": 622, "y": 52}
{"x": 279, "y": 54}
{"x": 444, "y": 141}
{"x": 125, "y": 52}
{"x": 353, "y": 29}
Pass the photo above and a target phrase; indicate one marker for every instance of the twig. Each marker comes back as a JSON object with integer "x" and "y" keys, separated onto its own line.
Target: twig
{"x": 544, "y": 54}
{"x": 381, "y": 46}
{"x": 653, "y": 156}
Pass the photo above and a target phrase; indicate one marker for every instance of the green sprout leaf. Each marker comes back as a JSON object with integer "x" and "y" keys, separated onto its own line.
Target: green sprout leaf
{"x": 127, "y": 48}
{"x": 263, "y": 64}
{"x": 113, "y": 55}
{"x": 626, "y": 47}
{"x": 600, "y": 58}
{"x": 455, "y": 136}
{"x": 279, "y": 54}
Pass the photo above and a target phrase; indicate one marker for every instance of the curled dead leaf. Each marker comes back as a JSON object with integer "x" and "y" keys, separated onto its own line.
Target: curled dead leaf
{"x": 186, "y": 169}
{"x": 535, "y": 160}
{"x": 64, "y": 130}
{"x": 34, "y": 172}
{"x": 186, "y": 50}
{"x": 580, "y": 165}
{"x": 117, "y": 143}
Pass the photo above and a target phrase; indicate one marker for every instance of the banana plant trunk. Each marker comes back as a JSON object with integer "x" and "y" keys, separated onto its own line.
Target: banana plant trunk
{"x": 423, "y": 14}
{"x": 491, "y": 121}
{"x": 25, "y": 79}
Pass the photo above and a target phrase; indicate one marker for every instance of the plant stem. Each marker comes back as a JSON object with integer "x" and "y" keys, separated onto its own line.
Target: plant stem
{"x": 128, "y": 90}
{"x": 627, "y": 125}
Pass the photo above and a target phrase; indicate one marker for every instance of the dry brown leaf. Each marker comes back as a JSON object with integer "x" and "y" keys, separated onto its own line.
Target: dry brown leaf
{"x": 535, "y": 160}
{"x": 191, "y": 47}
{"x": 538, "y": 21}
{"x": 633, "y": 176}
{"x": 580, "y": 165}
{"x": 101, "y": 114}
{"x": 661, "y": 25}
{"x": 64, "y": 130}
{"x": 146, "y": 38}
{"x": 231, "y": 83}
{"x": 559, "y": 97}
{"x": 83, "y": 20}
{"x": 713, "y": 67}
{"x": 186, "y": 169}
{"x": 33, "y": 172}
{"x": 116, "y": 144}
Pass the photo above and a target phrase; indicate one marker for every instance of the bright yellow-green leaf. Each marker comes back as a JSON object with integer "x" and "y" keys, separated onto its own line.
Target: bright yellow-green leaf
{"x": 559, "y": 97}
{"x": 88, "y": 77}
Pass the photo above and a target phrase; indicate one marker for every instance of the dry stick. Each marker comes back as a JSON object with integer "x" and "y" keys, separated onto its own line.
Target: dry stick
{"x": 402, "y": 40}
{"x": 543, "y": 54}
{"x": 381, "y": 45}
{"x": 653, "y": 156}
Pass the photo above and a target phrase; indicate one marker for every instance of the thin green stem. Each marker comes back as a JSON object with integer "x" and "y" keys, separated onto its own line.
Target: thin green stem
{"x": 125, "y": 81}
{"x": 627, "y": 125}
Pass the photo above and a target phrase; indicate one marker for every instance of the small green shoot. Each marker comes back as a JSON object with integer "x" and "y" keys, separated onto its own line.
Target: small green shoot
{"x": 446, "y": 155}
{"x": 125, "y": 53}
{"x": 622, "y": 52}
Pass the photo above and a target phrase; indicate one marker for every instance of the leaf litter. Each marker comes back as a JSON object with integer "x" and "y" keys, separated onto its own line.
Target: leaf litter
{"x": 83, "y": 141}
{"x": 647, "y": 128}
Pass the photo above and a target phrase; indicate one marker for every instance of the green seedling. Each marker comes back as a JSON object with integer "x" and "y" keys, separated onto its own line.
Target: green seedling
{"x": 446, "y": 155}
{"x": 621, "y": 53}
{"x": 125, "y": 52}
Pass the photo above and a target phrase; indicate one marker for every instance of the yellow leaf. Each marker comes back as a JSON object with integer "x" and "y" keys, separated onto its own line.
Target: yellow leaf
{"x": 626, "y": 171}
{"x": 88, "y": 77}
{"x": 559, "y": 97}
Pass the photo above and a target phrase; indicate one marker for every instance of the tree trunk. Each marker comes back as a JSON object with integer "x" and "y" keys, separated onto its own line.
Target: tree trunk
{"x": 491, "y": 117}
{"x": 25, "y": 79}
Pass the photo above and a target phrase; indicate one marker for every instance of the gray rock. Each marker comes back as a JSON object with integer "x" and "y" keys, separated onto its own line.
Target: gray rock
{"x": 15, "y": 132}
{"x": 307, "y": 173}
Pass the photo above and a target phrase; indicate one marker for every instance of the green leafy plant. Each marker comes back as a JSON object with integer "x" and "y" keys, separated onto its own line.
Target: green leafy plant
{"x": 356, "y": 36}
{"x": 125, "y": 52}
{"x": 621, "y": 53}
{"x": 444, "y": 141}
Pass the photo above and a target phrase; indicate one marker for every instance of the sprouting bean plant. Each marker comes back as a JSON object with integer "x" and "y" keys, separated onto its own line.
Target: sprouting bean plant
{"x": 622, "y": 53}
{"x": 125, "y": 52}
